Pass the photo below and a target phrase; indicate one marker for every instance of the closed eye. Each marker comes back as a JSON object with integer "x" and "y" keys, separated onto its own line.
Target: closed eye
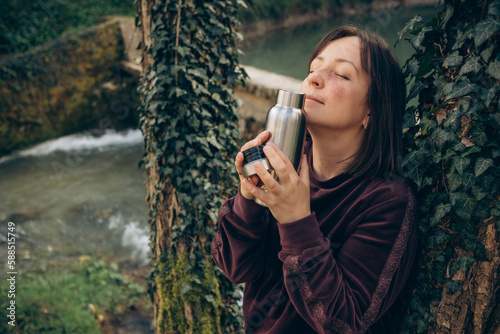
{"x": 342, "y": 76}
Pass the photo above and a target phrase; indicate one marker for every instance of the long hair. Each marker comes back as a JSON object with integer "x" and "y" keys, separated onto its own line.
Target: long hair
{"x": 381, "y": 149}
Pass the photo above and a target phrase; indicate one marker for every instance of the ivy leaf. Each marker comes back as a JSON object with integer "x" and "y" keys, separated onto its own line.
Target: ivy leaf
{"x": 482, "y": 165}
{"x": 478, "y": 134}
{"x": 409, "y": 25}
{"x": 463, "y": 204}
{"x": 185, "y": 288}
{"x": 453, "y": 59}
{"x": 486, "y": 53}
{"x": 462, "y": 88}
{"x": 478, "y": 193}
{"x": 471, "y": 65}
{"x": 447, "y": 16}
{"x": 485, "y": 29}
{"x": 442, "y": 136}
{"x": 468, "y": 181}
{"x": 454, "y": 181}
{"x": 465, "y": 261}
{"x": 494, "y": 69}
{"x": 460, "y": 163}
{"x": 441, "y": 211}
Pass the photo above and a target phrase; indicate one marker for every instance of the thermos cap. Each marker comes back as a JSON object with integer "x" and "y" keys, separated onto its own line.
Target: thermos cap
{"x": 250, "y": 157}
{"x": 290, "y": 98}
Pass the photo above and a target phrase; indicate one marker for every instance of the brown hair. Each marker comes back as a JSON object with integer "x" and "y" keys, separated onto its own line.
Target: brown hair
{"x": 381, "y": 149}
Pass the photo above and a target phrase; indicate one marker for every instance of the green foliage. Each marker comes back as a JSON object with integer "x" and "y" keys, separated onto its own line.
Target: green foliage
{"x": 74, "y": 299}
{"x": 190, "y": 122}
{"x": 25, "y": 23}
{"x": 452, "y": 141}
{"x": 56, "y": 90}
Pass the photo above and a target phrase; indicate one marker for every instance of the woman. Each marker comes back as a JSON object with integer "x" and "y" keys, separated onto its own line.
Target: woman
{"x": 335, "y": 246}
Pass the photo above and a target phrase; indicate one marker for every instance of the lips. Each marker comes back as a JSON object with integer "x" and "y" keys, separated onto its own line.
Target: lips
{"x": 314, "y": 99}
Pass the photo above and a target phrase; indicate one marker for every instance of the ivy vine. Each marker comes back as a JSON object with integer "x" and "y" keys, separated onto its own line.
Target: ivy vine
{"x": 189, "y": 120}
{"x": 452, "y": 142}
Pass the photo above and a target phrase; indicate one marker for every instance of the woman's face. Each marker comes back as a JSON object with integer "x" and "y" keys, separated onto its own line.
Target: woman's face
{"x": 336, "y": 88}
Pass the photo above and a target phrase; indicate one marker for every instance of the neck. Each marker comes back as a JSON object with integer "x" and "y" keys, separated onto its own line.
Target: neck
{"x": 333, "y": 154}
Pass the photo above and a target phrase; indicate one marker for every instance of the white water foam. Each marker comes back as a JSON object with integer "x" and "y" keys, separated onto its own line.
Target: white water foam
{"x": 138, "y": 239}
{"x": 86, "y": 141}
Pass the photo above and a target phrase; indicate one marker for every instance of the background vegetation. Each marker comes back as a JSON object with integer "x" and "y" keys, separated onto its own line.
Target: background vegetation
{"x": 26, "y": 23}
{"x": 76, "y": 298}
{"x": 57, "y": 90}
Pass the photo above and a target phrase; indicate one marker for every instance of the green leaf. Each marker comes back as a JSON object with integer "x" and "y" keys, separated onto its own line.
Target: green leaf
{"x": 468, "y": 180}
{"x": 447, "y": 16}
{"x": 478, "y": 193}
{"x": 494, "y": 69}
{"x": 482, "y": 165}
{"x": 454, "y": 181}
{"x": 463, "y": 204}
{"x": 442, "y": 136}
{"x": 453, "y": 59}
{"x": 185, "y": 288}
{"x": 460, "y": 163}
{"x": 486, "y": 53}
{"x": 471, "y": 65}
{"x": 441, "y": 211}
{"x": 478, "y": 135}
{"x": 485, "y": 29}
{"x": 462, "y": 88}
{"x": 465, "y": 261}
{"x": 409, "y": 25}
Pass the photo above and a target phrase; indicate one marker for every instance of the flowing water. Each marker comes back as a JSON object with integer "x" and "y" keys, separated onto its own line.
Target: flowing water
{"x": 85, "y": 194}
{"x": 77, "y": 195}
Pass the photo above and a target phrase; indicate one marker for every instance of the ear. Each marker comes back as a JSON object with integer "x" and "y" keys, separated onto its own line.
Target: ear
{"x": 366, "y": 120}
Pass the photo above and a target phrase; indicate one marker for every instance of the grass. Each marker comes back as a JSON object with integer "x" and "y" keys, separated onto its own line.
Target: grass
{"x": 79, "y": 298}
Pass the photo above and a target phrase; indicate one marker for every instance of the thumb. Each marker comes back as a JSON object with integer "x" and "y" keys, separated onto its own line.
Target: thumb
{"x": 304, "y": 170}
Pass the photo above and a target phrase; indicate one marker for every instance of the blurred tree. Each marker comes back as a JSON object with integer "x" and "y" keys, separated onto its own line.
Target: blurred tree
{"x": 190, "y": 123}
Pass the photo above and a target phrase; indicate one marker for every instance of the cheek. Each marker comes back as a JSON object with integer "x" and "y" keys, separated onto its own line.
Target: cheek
{"x": 336, "y": 91}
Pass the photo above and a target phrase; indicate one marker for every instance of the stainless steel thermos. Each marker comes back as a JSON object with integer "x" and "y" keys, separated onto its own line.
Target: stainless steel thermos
{"x": 287, "y": 124}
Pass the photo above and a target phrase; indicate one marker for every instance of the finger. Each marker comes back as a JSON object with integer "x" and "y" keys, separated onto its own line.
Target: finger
{"x": 259, "y": 140}
{"x": 255, "y": 191}
{"x": 278, "y": 160}
{"x": 280, "y": 153}
{"x": 304, "y": 170}
{"x": 238, "y": 163}
{"x": 269, "y": 181}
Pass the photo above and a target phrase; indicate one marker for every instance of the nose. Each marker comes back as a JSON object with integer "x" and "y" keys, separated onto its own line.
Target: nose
{"x": 314, "y": 79}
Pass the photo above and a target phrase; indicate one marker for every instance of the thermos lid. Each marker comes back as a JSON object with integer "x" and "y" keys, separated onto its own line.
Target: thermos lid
{"x": 253, "y": 153}
{"x": 290, "y": 98}
{"x": 250, "y": 157}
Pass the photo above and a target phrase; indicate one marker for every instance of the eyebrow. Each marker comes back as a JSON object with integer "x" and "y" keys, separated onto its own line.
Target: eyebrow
{"x": 339, "y": 60}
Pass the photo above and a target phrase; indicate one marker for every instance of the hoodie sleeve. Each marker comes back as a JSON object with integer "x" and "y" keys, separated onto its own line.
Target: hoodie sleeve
{"x": 238, "y": 246}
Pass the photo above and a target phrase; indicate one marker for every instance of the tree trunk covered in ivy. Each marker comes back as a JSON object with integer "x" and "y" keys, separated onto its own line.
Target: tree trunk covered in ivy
{"x": 190, "y": 124}
{"x": 453, "y": 156}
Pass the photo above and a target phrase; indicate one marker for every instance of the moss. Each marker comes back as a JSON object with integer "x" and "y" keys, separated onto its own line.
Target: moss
{"x": 188, "y": 303}
{"x": 55, "y": 90}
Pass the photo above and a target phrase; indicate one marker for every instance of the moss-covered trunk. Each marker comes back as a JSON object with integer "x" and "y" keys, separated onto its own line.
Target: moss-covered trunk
{"x": 190, "y": 124}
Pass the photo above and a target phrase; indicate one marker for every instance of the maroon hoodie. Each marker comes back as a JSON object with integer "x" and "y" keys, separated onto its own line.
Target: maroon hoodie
{"x": 335, "y": 271}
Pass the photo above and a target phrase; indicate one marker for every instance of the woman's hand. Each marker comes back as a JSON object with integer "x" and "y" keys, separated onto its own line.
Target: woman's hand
{"x": 288, "y": 198}
{"x": 261, "y": 139}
